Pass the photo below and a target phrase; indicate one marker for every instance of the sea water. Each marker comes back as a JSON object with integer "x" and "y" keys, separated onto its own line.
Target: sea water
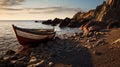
{"x": 8, "y": 39}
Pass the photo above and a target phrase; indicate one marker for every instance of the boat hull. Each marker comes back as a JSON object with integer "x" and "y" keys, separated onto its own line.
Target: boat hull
{"x": 28, "y": 38}
{"x": 31, "y": 42}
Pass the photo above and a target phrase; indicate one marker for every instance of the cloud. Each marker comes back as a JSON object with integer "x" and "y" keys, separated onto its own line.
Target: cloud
{"x": 11, "y": 9}
{"x": 10, "y": 2}
{"x": 42, "y": 10}
{"x": 52, "y": 10}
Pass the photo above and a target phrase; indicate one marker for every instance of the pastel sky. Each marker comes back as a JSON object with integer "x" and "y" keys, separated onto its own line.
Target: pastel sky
{"x": 43, "y": 9}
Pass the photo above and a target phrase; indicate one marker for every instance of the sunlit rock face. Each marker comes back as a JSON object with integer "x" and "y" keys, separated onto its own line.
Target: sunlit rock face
{"x": 108, "y": 10}
{"x": 114, "y": 3}
{"x": 109, "y": 2}
{"x": 84, "y": 15}
{"x": 113, "y": 10}
{"x": 100, "y": 11}
{"x": 106, "y": 14}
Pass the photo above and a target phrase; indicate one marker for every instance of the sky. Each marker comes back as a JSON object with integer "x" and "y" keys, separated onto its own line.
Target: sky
{"x": 44, "y": 9}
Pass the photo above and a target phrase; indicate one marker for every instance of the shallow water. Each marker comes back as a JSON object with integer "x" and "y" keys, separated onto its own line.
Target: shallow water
{"x": 9, "y": 41}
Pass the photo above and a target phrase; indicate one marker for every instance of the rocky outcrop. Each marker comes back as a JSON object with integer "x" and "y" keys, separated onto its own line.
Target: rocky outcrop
{"x": 56, "y": 21}
{"x": 85, "y": 15}
{"x": 47, "y": 22}
{"x": 108, "y": 11}
{"x": 105, "y": 15}
{"x": 52, "y": 22}
{"x": 74, "y": 23}
{"x": 65, "y": 22}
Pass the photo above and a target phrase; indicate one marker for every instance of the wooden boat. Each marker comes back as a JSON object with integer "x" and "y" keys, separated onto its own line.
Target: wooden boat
{"x": 33, "y": 36}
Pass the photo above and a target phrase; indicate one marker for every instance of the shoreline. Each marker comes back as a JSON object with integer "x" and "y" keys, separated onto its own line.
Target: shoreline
{"x": 66, "y": 52}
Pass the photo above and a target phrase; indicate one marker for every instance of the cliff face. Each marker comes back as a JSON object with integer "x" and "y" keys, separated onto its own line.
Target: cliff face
{"x": 108, "y": 10}
{"x": 106, "y": 14}
{"x": 113, "y": 11}
{"x": 84, "y": 15}
{"x": 100, "y": 11}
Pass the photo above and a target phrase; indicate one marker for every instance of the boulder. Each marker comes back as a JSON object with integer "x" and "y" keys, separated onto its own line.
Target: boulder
{"x": 105, "y": 15}
{"x": 6, "y": 63}
{"x": 10, "y": 52}
{"x": 20, "y": 64}
{"x": 74, "y": 23}
{"x": 47, "y": 22}
{"x": 64, "y": 22}
{"x": 56, "y": 21}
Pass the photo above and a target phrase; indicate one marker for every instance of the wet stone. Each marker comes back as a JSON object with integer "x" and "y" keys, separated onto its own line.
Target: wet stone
{"x": 13, "y": 58}
{"x": 33, "y": 59}
{"x": 1, "y": 58}
{"x": 24, "y": 59}
{"x": 6, "y": 58}
{"x": 10, "y": 52}
{"x": 20, "y": 64}
{"x": 38, "y": 64}
{"x": 50, "y": 64}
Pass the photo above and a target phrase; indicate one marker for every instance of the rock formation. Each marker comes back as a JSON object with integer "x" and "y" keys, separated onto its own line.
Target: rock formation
{"x": 105, "y": 15}
{"x": 64, "y": 22}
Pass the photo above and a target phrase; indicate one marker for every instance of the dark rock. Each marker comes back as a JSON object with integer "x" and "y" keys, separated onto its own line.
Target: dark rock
{"x": 74, "y": 23}
{"x": 1, "y": 57}
{"x": 36, "y": 21}
{"x": 48, "y": 22}
{"x": 100, "y": 42}
{"x": 52, "y": 22}
{"x": 105, "y": 15}
{"x": 24, "y": 59}
{"x": 90, "y": 34}
{"x": 6, "y": 63}
{"x": 10, "y": 52}
{"x": 65, "y": 22}
{"x": 20, "y": 64}
{"x": 13, "y": 58}
{"x": 56, "y": 21}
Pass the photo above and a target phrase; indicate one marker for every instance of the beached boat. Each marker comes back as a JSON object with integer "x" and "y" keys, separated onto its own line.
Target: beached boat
{"x": 33, "y": 36}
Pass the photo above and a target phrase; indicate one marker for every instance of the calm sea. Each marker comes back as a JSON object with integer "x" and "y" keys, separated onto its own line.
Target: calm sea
{"x": 7, "y": 37}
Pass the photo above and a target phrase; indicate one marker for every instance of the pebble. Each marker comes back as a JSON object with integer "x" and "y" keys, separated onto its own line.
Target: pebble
{"x": 56, "y": 47}
{"x": 33, "y": 59}
{"x": 6, "y": 58}
{"x": 50, "y": 64}
{"x": 38, "y": 64}
{"x": 1, "y": 58}
{"x": 10, "y": 52}
{"x": 20, "y": 64}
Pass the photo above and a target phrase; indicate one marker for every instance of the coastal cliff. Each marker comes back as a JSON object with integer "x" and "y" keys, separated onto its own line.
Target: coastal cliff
{"x": 106, "y": 14}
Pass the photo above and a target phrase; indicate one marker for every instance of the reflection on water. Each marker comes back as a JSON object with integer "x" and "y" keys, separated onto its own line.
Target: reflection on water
{"x": 8, "y": 39}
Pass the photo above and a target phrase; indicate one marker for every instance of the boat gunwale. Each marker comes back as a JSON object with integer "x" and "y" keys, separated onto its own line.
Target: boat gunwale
{"x": 36, "y": 31}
